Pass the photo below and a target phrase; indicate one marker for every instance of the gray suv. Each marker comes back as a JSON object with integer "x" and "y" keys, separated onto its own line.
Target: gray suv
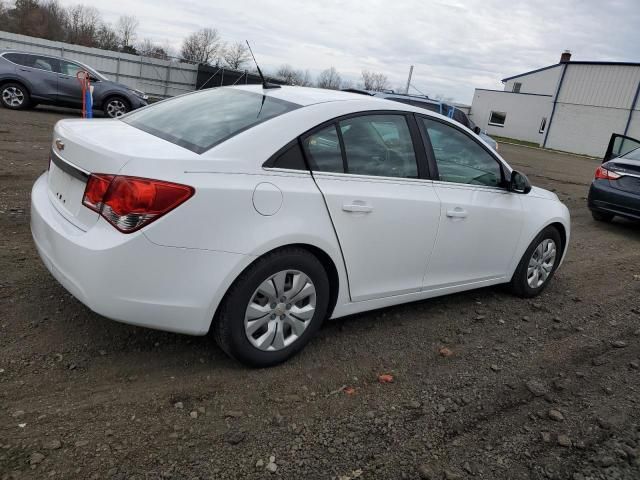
{"x": 27, "y": 79}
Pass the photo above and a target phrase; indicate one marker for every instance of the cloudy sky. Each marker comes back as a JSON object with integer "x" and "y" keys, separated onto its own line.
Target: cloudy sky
{"x": 455, "y": 45}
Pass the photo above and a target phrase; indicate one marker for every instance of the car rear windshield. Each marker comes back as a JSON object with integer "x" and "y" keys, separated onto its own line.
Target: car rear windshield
{"x": 205, "y": 119}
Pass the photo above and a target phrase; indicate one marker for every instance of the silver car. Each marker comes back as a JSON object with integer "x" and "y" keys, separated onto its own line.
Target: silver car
{"x": 27, "y": 79}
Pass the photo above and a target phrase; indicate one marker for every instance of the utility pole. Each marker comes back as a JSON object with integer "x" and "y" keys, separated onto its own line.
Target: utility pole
{"x": 406, "y": 90}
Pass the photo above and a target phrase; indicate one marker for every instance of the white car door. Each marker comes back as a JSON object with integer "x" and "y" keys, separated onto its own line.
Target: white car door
{"x": 480, "y": 221}
{"x": 385, "y": 215}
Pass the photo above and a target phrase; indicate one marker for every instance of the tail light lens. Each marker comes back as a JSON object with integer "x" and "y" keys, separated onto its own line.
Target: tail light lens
{"x": 130, "y": 203}
{"x": 604, "y": 174}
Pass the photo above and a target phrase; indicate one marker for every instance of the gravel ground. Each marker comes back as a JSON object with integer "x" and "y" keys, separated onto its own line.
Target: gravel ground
{"x": 547, "y": 388}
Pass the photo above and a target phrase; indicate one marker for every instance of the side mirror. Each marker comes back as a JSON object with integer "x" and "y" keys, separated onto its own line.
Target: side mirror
{"x": 519, "y": 183}
{"x": 477, "y": 130}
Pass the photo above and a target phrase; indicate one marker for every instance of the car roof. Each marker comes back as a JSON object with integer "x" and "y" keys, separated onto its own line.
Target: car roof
{"x": 306, "y": 95}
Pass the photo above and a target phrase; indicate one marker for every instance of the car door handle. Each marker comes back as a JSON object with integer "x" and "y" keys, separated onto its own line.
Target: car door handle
{"x": 457, "y": 213}
{"x": 357, "y": 207}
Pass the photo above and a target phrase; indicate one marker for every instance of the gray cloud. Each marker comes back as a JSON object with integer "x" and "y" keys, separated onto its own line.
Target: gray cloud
{"x": 455, "y": 45}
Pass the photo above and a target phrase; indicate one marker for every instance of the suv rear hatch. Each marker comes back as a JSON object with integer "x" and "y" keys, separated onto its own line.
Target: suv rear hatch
{"x": 83, "y": 147}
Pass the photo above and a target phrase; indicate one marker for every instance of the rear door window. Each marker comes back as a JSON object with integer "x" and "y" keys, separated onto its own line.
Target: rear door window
{"x": 202, "y": 120}
{"x": 379, "y": 145}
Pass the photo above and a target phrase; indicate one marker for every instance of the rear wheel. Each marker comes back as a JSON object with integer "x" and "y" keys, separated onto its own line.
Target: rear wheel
{"x": 602, "y": 216}
{"x": 538, "y": 264}
{"x": 274, "y": 308}
{"x": 14, "y": 96}
{"x": 115, "y": 107}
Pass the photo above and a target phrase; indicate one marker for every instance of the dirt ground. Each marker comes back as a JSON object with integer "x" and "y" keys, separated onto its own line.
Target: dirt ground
{"x": 547, "y": 388}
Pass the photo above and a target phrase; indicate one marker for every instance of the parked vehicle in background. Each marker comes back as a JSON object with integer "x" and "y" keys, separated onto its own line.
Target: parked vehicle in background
{"x": 27, "y": 79}
{"x": 615, "y": 189}
{"x": 423, "y": 101}
{"x": 259, "y": 212}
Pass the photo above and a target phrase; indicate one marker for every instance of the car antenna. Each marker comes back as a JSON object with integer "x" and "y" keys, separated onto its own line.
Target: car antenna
{"x": 265, "y": 84}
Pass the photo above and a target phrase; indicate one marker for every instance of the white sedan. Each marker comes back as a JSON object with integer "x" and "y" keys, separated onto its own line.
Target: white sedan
{"x": 258, "y": 213}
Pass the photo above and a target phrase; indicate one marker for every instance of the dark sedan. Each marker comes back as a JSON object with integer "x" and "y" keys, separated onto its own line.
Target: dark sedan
{"x": 27, "y": 79}
{"x": 615, "y": 190}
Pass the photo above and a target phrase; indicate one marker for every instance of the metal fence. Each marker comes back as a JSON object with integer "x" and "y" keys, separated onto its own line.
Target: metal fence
{"x": 158, "y": 78}
{"x": 213, "y": 76}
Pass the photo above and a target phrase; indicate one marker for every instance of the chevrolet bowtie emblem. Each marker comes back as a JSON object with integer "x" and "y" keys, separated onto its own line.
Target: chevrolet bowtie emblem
{"x": 59, "y": 144}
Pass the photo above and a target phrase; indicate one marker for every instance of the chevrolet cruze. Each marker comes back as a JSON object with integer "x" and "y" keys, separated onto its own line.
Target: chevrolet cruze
{"x": 259, "y": 212}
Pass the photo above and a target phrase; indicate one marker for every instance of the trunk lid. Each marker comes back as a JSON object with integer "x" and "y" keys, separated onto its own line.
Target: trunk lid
{"x": 630, "y": 171}
{"x": 83, "y": 147}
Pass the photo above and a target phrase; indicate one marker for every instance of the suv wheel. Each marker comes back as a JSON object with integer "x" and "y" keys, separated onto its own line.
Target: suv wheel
{"x": 14, "y": 96}
{"x": 115, "y": 107}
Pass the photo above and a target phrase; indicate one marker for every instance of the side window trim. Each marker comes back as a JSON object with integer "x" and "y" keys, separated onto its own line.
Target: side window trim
{"x": 432, "y": 157}
{"x": 343, "y": 150}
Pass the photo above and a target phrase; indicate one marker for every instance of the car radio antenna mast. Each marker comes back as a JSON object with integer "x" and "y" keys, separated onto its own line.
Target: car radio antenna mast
{"x": 265, "y": 84}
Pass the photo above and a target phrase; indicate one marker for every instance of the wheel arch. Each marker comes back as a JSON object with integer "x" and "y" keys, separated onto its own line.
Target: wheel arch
{"x": 5, "y": 80}
{"x": 325, "y": 259}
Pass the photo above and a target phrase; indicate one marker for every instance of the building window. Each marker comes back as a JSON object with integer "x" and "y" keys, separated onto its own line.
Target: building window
{"x": 516, "y": 87}
{"x": 497, "y": 119}
{"x": 543, "y": 125}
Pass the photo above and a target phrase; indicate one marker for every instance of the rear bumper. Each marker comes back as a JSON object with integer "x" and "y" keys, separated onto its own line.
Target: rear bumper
{"x": 127, "y": 277}
{"x": 604, "y": 198}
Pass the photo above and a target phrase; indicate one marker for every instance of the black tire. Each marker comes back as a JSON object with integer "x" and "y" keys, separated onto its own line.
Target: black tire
{"x": 602, "y": 216}
{"x": 14, "y": 96}
{"x": 115, "y": 104}
{"x": 228, "y": 326}
{"x": 519, "y": 284}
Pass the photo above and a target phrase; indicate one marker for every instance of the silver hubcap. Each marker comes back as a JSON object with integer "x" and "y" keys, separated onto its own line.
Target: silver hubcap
{"x": 280, "y": 310}
{"x": 541, "y": 263}
{"x": 12, "y": 96}
{"x": 116, "y": 108}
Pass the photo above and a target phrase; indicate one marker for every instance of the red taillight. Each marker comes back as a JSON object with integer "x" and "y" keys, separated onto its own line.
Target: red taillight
{"x": 604, "y": 174}
{"x": 94, "y": 192}
{"x": 130, "y": 203}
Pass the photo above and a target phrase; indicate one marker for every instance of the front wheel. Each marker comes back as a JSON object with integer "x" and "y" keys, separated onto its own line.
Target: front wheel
{"x": 274, "y": 308}
{"x": 538, "y": 264}
{"x": 115, "y": 107}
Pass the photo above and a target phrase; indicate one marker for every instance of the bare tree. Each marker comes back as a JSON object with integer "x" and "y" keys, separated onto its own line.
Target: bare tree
{"x": 148, "y": 48}
{"x": 374, "y": 81}
{"x": 127, "y": 28}
{"x": 107, "y": 38}
{"x": 83, "y": 24}
{"x": 294, "y": 77}
{"x": 56, "y": 21}
{"x": 236, "y": 55}
{"x": 203, "y": 46}
{"x": 329, "y": 78}
{"x": 347, "y": 84}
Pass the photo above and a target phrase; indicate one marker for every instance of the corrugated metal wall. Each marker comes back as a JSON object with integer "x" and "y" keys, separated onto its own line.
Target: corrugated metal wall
{"x": 612, "y": 86}
{"x": 160, "y": 78}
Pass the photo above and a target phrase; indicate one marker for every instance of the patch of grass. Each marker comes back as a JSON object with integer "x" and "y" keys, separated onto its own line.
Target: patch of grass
{"x": 513, "y": 140}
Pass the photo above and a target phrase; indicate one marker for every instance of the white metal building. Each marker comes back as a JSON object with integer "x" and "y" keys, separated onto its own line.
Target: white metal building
{"x": 570, "y": 106}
